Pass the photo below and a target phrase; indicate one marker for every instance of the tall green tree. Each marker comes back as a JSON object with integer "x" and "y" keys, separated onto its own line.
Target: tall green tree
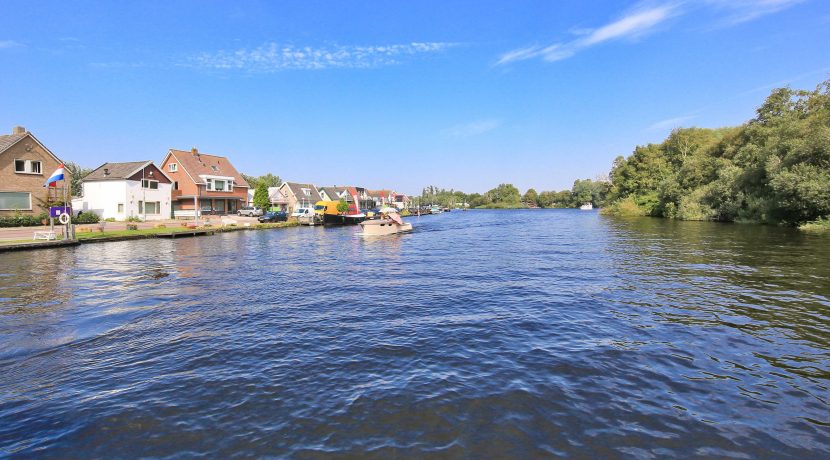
{"x": 261, "y": 198}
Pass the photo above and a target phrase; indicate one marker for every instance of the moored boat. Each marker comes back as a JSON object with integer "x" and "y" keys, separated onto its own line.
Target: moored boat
{"x": 587, "y": 207}
{"x": 328, "y": 214}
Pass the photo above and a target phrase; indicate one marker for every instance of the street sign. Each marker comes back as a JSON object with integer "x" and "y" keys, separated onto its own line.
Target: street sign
{"x": 56, "y": 211}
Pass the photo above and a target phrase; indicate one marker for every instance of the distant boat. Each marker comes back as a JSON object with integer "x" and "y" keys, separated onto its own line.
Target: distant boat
{"x": 436, "y": 210}
{"x": 587, "y": 207}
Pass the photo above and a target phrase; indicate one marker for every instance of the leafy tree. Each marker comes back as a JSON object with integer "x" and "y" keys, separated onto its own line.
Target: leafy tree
{"x": 76, "y": 174}
{"x": 531, "y": 196}
{"x": 261, "y": 198}
{"x": 269, "y": 180}
{"x": 504, "y": 194}
{"x": 342, "y": 206}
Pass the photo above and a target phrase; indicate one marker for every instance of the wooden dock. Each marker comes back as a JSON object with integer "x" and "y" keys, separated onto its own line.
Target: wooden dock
{"x": 189, "y": 233}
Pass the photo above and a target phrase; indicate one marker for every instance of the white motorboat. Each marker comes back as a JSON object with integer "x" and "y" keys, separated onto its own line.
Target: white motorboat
{"x": 388, "y": 225}
{"x": 587, "y": 207}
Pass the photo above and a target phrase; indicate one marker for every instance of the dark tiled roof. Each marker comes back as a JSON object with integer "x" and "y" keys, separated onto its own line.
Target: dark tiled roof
{"x": 296, "y": 189}
{"x": 335, "y": 192}
{"x": 8, "y": 140}
{"x": 197, "y": 164}
{"x": 117, "y": 171}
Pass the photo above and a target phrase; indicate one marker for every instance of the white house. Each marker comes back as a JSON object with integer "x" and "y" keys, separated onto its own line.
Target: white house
{"x": 121, "y": 190}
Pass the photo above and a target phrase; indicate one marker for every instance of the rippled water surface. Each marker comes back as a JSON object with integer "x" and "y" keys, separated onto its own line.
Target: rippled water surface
{"x": 481, "y": 334}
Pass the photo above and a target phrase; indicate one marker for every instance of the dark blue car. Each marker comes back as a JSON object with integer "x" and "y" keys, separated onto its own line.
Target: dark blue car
{"x": 274, "y": 216}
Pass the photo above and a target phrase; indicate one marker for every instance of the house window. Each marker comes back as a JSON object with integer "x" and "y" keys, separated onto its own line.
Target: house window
{"x": 13, "y": 201}
{"x": 150, "y": 184}
{"x": 27, "y": 167}
{"x": 173, "y": 167}
{"x": 306, "y": 191}
{"x": 214, "y": 168}
{"x": 176, "y": 185}
{"x": 150, "y": 207}
{"x": 120, "y": 208}
{"x": 219, "y": 185}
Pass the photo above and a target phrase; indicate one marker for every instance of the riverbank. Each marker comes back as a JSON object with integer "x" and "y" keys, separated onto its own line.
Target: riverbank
{"x": 630, "y": 208}
{"x": 139, "y": 234}
{"x": 821, "y": 225}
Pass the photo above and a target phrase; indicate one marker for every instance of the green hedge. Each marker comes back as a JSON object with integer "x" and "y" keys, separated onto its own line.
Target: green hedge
{"x": 23, "y": 221}
{"x": 86, "y": 218}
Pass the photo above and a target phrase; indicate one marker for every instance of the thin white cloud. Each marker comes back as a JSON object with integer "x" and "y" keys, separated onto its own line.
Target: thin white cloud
{"x": 272, "y": 57}
{"x": 474, "y": 128}
{"x": 645, "y": 19}
{"x": 740, "y": 11}
{"x": 630, "y": 26}
{"x": 633, "y": 25}
{"x": 671, "y": 123}
{"x": 5, "y": 44}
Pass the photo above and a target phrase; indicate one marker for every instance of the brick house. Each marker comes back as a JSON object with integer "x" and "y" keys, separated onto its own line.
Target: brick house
{"x": 299, "y": 195}
{"x": 203, "y": 184}
{"x": 25, "y": 164}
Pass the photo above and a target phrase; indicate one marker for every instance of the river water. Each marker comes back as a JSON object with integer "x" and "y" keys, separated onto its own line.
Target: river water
{"x": 480, "y": 334}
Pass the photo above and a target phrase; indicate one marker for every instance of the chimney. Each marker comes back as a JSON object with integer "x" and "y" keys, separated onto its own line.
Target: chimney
{"x": 18, "y": 130}
{"x": 106, "y": 171}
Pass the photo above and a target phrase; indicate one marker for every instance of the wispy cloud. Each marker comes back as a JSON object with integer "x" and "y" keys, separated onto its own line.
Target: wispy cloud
{"x": 471, "y": 129}
{"x": 740, "y": 11}
{"x": 5, "y": 44}
{"x": 671, "y": 122}
{"x": 632, "y": 25}
{"x": 644, "y": 19}
{"x": 273, "y": 57}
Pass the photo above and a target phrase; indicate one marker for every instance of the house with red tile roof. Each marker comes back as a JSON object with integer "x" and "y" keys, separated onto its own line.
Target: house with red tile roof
{"x": 203, "y": 184}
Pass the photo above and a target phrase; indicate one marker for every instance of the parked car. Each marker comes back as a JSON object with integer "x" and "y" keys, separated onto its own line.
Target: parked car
{"x": 250, "y": 211}
{"x": 302, "y": 212}
{"x": 274, "y": 216}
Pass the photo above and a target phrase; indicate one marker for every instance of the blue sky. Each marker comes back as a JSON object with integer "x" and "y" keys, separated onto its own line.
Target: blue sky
{"x": 460, "y": 95}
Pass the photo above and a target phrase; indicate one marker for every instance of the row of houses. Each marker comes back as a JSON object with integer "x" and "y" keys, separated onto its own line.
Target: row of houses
{"x": 184, "y": 185}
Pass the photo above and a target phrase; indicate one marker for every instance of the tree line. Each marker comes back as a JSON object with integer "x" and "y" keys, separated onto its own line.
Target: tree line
{"x": 507, "y": 196}
{"x": 775, "y": 168}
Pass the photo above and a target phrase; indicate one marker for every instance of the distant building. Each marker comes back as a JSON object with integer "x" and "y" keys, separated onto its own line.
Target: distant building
{"x": 381, "y": 197}
{"x": 278, "y": 199}
{"x": 204, "y": 184}
{"x": 335, "y": 193}
{"x": 299, "y": 195}
{"x": 121, "y": 190}
{"x": 25, "y": 164}
{"x": 401, "y": 201}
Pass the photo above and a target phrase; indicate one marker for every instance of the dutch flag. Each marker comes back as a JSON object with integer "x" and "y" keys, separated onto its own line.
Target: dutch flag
{"x": 55, "y": 177}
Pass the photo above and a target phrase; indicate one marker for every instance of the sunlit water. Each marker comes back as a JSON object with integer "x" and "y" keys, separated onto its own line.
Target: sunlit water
{"x": 481, "y": 334}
